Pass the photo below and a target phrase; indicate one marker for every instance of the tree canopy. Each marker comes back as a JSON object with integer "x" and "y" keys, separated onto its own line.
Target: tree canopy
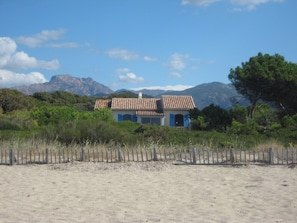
{"x": 14, "y": 100}
{"x": 267, "y": 78}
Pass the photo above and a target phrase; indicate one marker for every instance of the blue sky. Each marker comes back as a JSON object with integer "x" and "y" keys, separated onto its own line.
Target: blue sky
{"x": 132, "y": 44}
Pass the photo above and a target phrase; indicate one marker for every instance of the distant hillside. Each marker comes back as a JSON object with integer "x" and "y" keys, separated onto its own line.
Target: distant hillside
{"x": 153, "y": 93}
{"x": 80, "y": 86}
{"x": 223, "y": 95}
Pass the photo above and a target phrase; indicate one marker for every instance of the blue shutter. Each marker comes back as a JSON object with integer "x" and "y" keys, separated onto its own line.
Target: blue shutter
{"x": 120, "y": 117}
{"x": 186, "y": 121}
{"x": 172, "y": 120}
{"x": 134, "y": 118}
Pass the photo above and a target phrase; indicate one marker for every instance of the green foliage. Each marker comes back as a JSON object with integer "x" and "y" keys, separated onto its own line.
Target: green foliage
{"x": 265, "y": 116}
{"x": 194, "y": 113}
{"x": 53, "y": 115}
{"x": 14, "y": 100}
{"x": 84, "y": 131}
{"x": 248, "y": 128}
{"x": 267, "y": 78}
{"x": 290, "y": 122}
{"x": 212, "y": 117}
{"x": 199, "y": 123}
{"x": 63, "y": 98}
{"x": 239, "y": 114}
{"x": 17, "y": 120}
{"x": 216, "y": 117}
{"x": 9, "y": 125}
{"x": 66, "y": 118}
{"x": 103, "y": 114}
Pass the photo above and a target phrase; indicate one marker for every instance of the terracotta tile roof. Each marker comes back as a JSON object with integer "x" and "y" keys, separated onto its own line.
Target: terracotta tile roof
{"x": 180, "y": 102}
{"x": 102, "y": 103}
{"x": 135, "y": 104}
{"x": 149, "y": 113}
{"x": 144, "y": 106}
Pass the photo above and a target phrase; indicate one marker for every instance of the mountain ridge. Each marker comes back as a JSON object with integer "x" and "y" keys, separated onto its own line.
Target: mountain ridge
{"x": 217, "y": 93}
{"x": 66, "y": 82}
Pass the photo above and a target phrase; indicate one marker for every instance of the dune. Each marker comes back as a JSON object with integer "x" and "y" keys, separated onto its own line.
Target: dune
{"x": 147, "y": 192}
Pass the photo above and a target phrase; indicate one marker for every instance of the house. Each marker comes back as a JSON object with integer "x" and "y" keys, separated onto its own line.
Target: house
{"x": 169, "y": 110}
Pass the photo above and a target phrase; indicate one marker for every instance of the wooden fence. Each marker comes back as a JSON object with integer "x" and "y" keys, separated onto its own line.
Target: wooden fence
{"x": 190, "y": 156}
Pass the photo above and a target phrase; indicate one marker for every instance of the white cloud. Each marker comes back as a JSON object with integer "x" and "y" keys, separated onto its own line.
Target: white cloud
{"x": 7, "y": 48}
{"x": 10, "y": 79}
{"x": 131, "y": 78}
{"x": 11, "y": 61}
{"x": 251, "y": 4}
{"x": 178, "y": 61}
{"x": 149, "y": 59}
{"x": 199, "y": 2}
{"x": 248, "y": 4}
{"x": 63, "y": 45}
{"x": 166, "y": 88}
{"x": 22, "y": 61}
{"x": 44, "y": 36}
{"x": 122, "y": 54}
{"x": 122, "y": 70}
{"x": 210, "y": 62}
{"x": 175, "y": 74}
{"x": 125, "y": 75}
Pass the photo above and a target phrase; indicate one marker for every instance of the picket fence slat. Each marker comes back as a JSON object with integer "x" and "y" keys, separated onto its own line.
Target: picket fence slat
{"x": 196, "y": 156}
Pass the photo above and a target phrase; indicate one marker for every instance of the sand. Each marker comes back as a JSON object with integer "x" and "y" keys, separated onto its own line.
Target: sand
{"x": 147, "y": 192}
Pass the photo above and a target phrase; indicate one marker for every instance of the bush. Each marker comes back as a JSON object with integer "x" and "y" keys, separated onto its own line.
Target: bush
{"x": 9, "y": 125}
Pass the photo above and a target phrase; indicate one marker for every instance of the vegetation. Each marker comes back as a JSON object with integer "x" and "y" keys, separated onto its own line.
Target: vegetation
{"x": 69, "y": 119}
{"x": 267, "y": 78}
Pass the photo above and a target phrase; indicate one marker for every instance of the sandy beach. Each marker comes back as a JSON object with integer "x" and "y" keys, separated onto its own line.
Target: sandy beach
{"x": 147, "y": 192}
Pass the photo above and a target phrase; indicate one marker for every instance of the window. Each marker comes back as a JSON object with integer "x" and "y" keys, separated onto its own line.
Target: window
{"x": 179, "y": 120}
{"x": 127, "y": 117}
{"x": 153, "y": 121}
{"x": 145, "y": 120}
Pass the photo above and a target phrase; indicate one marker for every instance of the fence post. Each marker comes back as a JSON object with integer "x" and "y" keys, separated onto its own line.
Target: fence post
{"x": 271, "y": 156}
{"x": 194, "y": 155}
{"x": 46, "y": 155}
{"x": 82, "y": 158}
{"x": 232, "y": 156}
{"x": 120, "y": 155}
{"x": 11, "y": 157}
{"x": 155, "y": 154}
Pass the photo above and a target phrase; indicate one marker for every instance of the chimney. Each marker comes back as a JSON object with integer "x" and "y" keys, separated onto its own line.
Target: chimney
{"x": 139, "y": 95}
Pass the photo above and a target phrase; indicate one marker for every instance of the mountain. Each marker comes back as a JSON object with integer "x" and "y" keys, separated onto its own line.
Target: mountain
{"x": 80, "y": 86}
{"x": 153, "y": 93}
{"x": 223, "y": 95}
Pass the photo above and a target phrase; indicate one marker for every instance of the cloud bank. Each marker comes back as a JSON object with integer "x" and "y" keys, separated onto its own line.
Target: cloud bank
{"x": 177, "y": 62}
{"x": 166, "y": 88}
{"x": 199, "y": 2}
{"x": 12, "y": 63}
{"x": 122, "y": 54}
{"x": 248, "y": 4}
{"x": 126, "y": 76}
{"x": 45, "y": 38}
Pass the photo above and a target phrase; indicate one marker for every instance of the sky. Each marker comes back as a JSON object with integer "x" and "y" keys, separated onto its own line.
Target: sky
{"x": 136, "y": 44}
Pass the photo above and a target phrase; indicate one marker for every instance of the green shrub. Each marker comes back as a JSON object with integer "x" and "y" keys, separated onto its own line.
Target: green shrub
{"x": 9, "y": 125}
